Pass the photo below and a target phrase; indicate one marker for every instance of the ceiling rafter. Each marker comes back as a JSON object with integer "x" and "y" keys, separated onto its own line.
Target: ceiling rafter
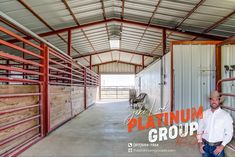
{"x": 104, "y": 15}
{"x": 149, "y": 22}
{"x": 43, "y": 21}
{"x": 190, "y": 13}
{"x": 217, "y": 23}
{"x": 168, "y": 35}
{"x": 120, "y": 50}
{"x": 121, "y": 27}
{"x": 135, "y": 23}
{"x": 117, "y": 61}
{"x": 78, "y": 24}
{"x": 182, "y": 21}
{"x": 132, "y": 58}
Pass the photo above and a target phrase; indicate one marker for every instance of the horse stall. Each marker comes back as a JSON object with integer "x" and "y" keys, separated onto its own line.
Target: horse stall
{"x": 41, "y": 88}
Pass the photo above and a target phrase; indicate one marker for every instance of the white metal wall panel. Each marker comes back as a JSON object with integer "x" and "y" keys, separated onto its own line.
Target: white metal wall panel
{"x": 113, "y": 68}
{"x": 148, "y": 82}
{"x": 167, "y": 81}
{"x": 194, "y": 75}
{"x": 228, "y": 58}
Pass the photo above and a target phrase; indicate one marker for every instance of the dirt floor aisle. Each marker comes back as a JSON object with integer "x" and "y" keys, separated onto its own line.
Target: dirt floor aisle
{"x": 100, "y": 132}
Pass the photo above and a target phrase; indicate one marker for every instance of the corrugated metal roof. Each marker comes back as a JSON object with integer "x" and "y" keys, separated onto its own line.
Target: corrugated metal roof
{"x": 208, "y": 17}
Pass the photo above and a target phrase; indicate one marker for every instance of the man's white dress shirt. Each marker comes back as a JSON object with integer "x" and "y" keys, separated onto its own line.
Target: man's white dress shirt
{"x": 215, "y": 126}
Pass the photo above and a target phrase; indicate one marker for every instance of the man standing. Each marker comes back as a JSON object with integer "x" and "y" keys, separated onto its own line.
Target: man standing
{"x": 215, "y": 128}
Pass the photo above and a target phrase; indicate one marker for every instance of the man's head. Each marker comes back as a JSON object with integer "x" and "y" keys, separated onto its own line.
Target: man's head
{"x": 215, "y": 99}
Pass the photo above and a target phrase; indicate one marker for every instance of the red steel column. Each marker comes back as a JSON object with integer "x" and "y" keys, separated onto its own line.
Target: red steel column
{"x": 218, "y": 65}
{"x": 142, "y": 61}
{"x": 7, "y": 71}
{"x": 85, "y": 95}
{"x": 45, "y": 108}
{"x": 23, "y": 58}
{"x": 163, "y": 41}
{"x": 69, "y": 48}
{"x": 90, "y": 61}
{"x": 69, "y": 42}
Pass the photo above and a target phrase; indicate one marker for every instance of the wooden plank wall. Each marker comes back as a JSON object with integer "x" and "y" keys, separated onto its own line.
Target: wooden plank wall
{"x": 60, "y": 104}
{"x": 91, "y": 95}
{"x": 77, "y": 95}
{"x": 67, "y": 102}
{"x": 12, "y": 103}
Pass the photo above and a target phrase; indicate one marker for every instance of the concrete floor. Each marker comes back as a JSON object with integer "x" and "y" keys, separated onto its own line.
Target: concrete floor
{"x": 100, "y": 132}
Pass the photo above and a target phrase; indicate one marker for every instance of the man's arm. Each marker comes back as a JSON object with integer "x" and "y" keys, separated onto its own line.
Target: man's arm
{"x": 200, "y": 129}
{"x": 228, "y": 132}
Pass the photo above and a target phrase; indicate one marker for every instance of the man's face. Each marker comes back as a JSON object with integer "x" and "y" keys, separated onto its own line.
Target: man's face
{"x": 214, "y": 103}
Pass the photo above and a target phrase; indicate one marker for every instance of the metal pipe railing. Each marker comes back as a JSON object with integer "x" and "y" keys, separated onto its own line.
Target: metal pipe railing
{"x": 46, "y": 66}
{"x": 218, "y": 87}
{"x": 29, "y": 32}
{"x": 34, "y": 35}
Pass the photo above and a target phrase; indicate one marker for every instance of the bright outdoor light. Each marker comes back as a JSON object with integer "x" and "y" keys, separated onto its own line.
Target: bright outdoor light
{"x": 114, "y": 43}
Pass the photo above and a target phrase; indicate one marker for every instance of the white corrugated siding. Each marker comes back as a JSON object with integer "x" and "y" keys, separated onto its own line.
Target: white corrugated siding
{"x": 149, "y": 81}
{"x": 117, "y": 68}
{"x": 194, "y": 75}
{"x": 228, "y": 58}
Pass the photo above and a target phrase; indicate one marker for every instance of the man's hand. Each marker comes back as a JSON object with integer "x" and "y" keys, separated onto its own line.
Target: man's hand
{"x": 201, "y": 145}
{"x": 218, "y": 149}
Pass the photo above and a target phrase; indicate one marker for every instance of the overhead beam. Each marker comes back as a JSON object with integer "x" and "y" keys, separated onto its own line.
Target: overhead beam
{"x": 116, "y": 61}
{"x": 182, "y": 21}
{"x": 190, "y": 13}
{"x": 218, "y": 22}
{"x": 135, "y": 23}
{"x": 43, "y": 21}
{"x": 106, "y": 51}
{"x": 78, "y": 24}
{"x": 122, "y": 17}
{"x": 104, "y": 15}
{"x": 149, "y": 22}
{"x": 230, "y": 40}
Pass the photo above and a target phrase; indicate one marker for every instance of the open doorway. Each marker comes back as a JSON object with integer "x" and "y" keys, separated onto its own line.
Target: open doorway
{"x": 115, "y": 86}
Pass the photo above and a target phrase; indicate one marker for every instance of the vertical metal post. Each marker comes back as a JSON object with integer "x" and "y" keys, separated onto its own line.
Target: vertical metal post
{"x": 45, "y": 108}
{"x": 69, "y": 48}
{"x": 7, "y": 71}
{"x": 85, "y": 91}
{"x": 163, "y": 41}
{"x": 172, "y": 79}
{"x": 90, "y": 61}
{"x": 98, "y": 71}
{"x": 142, "y": 62}
{"x": 135, "y": 69}
{"x": 218, "y": 56}
{"x": 23, "y": 55}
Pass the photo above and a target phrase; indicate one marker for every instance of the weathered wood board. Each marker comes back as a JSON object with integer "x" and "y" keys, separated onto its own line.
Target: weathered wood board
{"x": 77, "y": 100}
{"x": 91, "y": 95}
{"x": 60, "y": 104}
{"x": 9, "y": 118}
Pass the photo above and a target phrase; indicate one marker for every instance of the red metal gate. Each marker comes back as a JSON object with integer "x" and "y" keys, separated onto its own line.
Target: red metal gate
{"x": 35, "y": 64}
